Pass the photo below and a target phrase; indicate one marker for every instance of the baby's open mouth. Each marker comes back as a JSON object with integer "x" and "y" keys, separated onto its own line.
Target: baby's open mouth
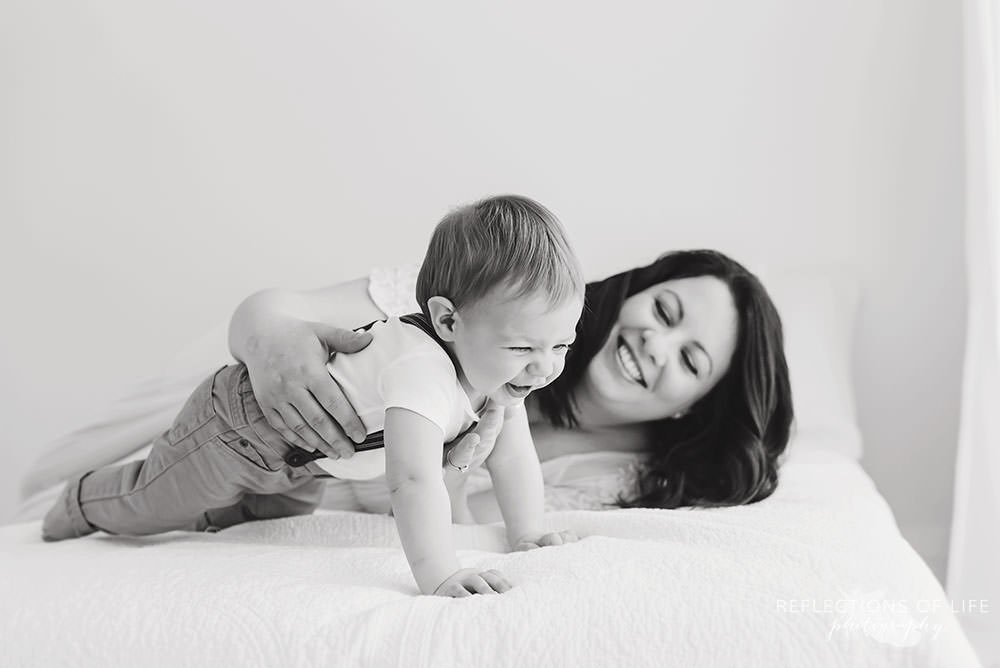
{"x": 518, "y": 391}
{"x": 629, "y": 363}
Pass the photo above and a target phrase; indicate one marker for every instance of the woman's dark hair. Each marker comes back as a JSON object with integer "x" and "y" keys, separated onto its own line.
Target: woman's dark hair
{"x": 724, "y": 450}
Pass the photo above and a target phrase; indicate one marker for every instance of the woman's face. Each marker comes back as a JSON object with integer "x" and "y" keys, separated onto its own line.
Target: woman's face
{"x": 671, "y": 344}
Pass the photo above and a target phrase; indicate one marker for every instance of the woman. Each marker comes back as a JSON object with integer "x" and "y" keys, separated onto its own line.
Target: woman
{"x": 678, "y": 368}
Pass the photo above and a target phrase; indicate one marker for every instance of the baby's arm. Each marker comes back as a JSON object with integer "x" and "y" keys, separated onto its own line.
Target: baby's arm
{"x": 422, "y": 509}
{"x": 517, "y": 482}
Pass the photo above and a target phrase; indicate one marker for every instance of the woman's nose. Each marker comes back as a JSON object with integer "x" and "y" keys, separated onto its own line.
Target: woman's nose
{"x": 656, "y": 344}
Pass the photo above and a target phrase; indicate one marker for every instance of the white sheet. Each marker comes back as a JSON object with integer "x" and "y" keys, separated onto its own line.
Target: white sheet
{"x": 717, "y": 587}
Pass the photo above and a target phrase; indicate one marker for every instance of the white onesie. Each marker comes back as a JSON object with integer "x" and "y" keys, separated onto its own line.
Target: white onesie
{"x": 403, "y": 367}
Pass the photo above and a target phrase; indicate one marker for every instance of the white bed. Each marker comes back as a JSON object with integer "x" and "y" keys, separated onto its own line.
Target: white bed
{"x": 816, "y": 575}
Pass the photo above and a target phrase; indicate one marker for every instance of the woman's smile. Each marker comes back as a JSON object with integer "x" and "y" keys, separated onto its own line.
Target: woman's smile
{"x": 628, "y": 362}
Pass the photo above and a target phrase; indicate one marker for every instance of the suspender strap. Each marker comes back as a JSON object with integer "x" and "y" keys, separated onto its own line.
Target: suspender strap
{"x": 298, "y": 457}
{"x": 422, "y": 322}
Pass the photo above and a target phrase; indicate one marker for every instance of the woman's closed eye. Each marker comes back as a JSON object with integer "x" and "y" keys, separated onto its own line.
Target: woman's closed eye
{"x": 662, "y": 313}
{"x": 669, "y": 309}
{"x": 687, "y": 359}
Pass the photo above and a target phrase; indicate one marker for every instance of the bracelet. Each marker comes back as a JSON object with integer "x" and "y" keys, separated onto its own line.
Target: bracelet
{"x": 460, "y": 469}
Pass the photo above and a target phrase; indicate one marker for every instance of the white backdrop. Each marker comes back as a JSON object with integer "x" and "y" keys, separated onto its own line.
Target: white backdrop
{"x": 160, "y": 161}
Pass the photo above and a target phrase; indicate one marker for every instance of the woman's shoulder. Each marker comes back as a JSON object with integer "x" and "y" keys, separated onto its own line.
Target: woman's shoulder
{"x": 585, "y": 481}
{"x": 591, "y": 480}
{"x": 574, "y": 468}
{"x": 393, "y": 289}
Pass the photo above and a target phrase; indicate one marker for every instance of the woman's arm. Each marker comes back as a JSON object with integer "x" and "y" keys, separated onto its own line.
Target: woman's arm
{"x": 285, "y": 338}
{"x": 346, "y": 305}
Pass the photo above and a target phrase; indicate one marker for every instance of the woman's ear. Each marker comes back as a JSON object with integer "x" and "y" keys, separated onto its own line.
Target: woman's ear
{"x": 442, "y": 317}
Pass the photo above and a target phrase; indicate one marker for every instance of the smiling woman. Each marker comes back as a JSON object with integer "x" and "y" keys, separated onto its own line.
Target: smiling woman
{"x": 687, "y": 356}
{"x": 668, "y": 357}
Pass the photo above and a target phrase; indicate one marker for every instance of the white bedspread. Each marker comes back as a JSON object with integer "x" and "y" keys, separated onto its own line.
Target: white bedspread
{"x": 770, "y": 584}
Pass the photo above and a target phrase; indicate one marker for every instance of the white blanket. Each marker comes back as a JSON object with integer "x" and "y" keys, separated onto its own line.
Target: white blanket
{"x": 816, "y": 575}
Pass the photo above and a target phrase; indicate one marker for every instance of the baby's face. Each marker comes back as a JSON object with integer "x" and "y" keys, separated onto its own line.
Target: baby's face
{"x": 508, "y": 347}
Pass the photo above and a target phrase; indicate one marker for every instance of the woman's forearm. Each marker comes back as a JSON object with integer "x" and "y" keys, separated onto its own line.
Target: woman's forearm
{"x": 269, "y": 312}
{"x": 259, "y": 313}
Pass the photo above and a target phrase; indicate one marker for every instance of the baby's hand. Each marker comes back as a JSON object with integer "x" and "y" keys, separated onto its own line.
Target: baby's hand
{"x": 554, "y": 538}
{"x": 469, "y": 581}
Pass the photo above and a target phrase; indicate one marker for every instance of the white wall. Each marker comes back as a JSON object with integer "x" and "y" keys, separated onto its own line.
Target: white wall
{"x": 158, "y": 161}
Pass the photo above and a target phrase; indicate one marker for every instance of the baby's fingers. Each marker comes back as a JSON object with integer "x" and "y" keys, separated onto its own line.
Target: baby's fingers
{"x": 498, "y": 582}
{"x": 479, "y": 585}
{"x": 557, "y": 538}
{"x": 455, "y": 591}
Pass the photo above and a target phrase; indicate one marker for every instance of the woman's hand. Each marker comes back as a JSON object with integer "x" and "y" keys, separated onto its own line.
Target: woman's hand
{"x": 469, "y": 581}
{"x": 299, "y": 398}
{"x": 465, "y": 453}
{"x": 471, "y": 450}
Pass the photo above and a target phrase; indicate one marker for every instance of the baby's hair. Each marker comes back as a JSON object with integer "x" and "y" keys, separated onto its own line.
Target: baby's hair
{"x": 504, "y": 240}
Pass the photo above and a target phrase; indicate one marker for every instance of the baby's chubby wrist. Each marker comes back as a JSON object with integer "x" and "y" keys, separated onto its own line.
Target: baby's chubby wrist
{"x": 430, "y": 576}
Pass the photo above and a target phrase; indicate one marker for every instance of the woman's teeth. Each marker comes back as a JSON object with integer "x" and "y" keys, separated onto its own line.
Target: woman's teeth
{"x": 629, "y": 363}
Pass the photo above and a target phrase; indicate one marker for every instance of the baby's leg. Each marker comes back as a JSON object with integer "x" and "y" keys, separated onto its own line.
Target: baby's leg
{"x": 145, "y": 497}
{"x": 302, "y": 500}
{"x": 203, "y": 461}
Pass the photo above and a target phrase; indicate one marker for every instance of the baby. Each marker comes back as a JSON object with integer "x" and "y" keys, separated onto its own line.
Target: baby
{"x": 500, "y": 292}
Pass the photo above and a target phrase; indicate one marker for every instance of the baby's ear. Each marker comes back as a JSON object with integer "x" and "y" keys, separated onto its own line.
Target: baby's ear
{"x": 442, "y": 317}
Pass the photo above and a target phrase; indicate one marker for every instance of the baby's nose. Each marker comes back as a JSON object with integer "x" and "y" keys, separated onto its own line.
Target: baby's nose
{"x": 541, "y": 368}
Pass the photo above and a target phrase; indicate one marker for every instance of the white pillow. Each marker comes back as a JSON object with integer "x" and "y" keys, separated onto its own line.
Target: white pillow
{"x": 818, "y": 308}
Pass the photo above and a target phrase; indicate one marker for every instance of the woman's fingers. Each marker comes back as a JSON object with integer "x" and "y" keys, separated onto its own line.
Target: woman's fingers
{"x": 339, "y": 340}
{"x": 489, "y": 426}
{"x": 296, "y": 393}
{"x": 295, "y": 430}
{"x": 463, "y": 453}
{"x": 326, "y": 391}
{"x": 473, "y": 448}
{"x": 303, "y": 421}
{"x": 330, "y": 433}
{"x": 329, "y": 439}
{"x": 326, "y": 400}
